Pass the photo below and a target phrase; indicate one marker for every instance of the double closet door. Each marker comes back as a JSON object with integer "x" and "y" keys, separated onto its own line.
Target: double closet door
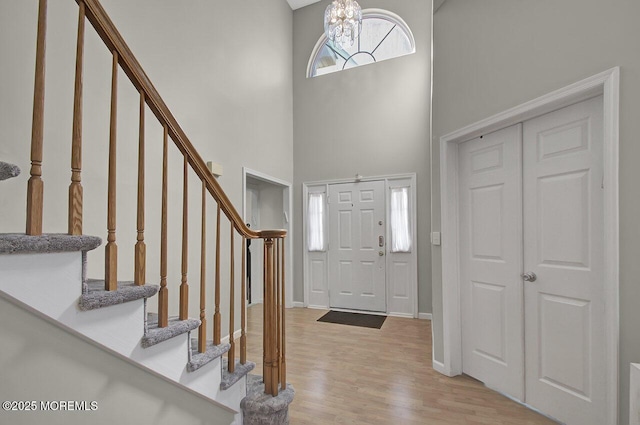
{"x": 531, "y": 262}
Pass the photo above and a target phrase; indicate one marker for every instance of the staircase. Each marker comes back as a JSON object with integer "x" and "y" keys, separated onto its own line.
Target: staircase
{"x": 46, "y": 273}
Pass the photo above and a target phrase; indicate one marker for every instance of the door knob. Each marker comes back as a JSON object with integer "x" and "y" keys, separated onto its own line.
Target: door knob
{"x": 529, "y": 277}
{"x": 380, "y": 253}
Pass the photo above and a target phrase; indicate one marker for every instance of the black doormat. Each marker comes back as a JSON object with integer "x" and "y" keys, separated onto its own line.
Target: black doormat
{"x": 353, "y": 319}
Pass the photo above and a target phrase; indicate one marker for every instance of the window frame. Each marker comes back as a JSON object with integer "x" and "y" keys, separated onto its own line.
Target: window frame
{"x": 366, "y": 14}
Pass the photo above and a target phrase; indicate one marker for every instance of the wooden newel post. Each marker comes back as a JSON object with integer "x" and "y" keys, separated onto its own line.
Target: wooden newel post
{"x": 270, "y": 323}
{"x": 243, "y": 304}
{"x": 35, "y": 187}
{"x": 283, "y": 346}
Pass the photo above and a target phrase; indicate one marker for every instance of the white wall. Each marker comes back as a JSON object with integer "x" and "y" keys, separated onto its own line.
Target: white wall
{"x": 224, "y": 70}
{"x": 496, "y": 54}
{"x": 41, "y": 362}
{"x": 372, "y": 120}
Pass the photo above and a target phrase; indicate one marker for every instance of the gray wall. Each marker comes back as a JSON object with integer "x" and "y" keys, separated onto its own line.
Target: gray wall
{"x": 496, "y": 54}
{"x": 41, "y": 362}
{"x": 372, "y": 120}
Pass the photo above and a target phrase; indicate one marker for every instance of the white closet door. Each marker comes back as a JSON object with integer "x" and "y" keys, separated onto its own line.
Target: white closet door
{"x": 357, "y": 253}
{"x": 490, "y": 202}
{"x": 563, "y": 232}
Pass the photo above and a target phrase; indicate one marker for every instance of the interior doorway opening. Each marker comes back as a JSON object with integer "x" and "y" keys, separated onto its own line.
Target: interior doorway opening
{"x": 267, "y": 204}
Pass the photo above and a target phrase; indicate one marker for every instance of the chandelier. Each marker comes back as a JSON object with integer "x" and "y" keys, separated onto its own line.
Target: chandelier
{"x": 343, "y": 22}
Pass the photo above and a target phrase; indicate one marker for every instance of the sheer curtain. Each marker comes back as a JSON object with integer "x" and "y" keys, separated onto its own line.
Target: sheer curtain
{"x": 400, "y": 224}
{"x": 315, "y": 227}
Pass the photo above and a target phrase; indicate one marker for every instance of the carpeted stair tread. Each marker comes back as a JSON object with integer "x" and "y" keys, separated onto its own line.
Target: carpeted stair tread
{"x": 200, "y": 359}
{"x": 19, "y": 243}
{"x": 95, "y": 295}
{"x": 156, "y": 335}
{"x": 8, "y": 171}
{"x": 228, "y": 379}
{"x": 260, "y": 408}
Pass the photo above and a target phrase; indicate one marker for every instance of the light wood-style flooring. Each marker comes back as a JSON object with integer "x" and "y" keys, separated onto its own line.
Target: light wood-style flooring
{"x": 351, "y": 375}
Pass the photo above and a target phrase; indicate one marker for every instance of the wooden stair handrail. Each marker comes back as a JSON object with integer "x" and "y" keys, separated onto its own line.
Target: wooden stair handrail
{"x": 107, "y": 31}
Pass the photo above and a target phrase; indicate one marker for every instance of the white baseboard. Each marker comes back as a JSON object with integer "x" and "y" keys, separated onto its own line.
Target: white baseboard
{"x": 236, "y": 336}
{"x": 402, "y": 315}
{"x": 297, "y": 304}
{"x": 424, "y": 316}
{"x": 347, "y": 310}
{"x": 439, "y": 367}
{"x": 634, "y": 406}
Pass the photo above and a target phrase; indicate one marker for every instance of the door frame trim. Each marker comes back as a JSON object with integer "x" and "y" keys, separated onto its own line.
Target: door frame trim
{"x": 287, "y": 200}
{"x": 387, "y": 179}
{"x": 607, "y": 84}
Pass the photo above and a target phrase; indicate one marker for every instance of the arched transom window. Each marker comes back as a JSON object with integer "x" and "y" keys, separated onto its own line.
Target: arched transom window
{"x": 384, "y": 36}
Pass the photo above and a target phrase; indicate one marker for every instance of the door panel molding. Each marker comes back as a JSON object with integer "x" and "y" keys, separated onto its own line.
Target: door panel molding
{"x": 605, "y": 84}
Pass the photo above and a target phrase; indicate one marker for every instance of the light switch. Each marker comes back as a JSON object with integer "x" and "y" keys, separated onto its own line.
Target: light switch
{"x": 435, "y": 238}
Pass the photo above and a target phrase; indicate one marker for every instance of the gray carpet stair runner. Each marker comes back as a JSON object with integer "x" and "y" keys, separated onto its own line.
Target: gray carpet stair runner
{"x": 228, "y": 379}
{"x": 259, "y": 408}
{"x": 8, "y": 171}
{"x": 94, "y": 295}
{"x": 198, "y": 359}
{"x": 19, "y": 243}
{"x": 155, "y": 335}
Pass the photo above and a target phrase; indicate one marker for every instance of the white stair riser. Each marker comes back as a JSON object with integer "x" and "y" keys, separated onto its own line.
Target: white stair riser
{"x": 51, "y": 284}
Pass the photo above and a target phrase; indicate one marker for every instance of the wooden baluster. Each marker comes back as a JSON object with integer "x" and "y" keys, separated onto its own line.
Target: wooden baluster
{"x": 275, "y": 371}
{"x": 216, "y": 314}
{"x": 232, "y": 343}
{"x": 140, "y": 251}
{"x": 35, "y": 186}
{"x": 243, "y": 305}
{"x": 184, "y": 285}
{"x": 75, "y": 188}
{"x": 283, "y": 364}
{"x": 163, "y": 301}
{"x": 202, "y": 331}
{"x": 266, "y": 323}
{"x": 111, "y": 250}
{"x": 277, "y": 307}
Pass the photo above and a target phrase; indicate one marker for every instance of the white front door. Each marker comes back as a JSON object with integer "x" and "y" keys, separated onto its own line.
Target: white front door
{"x": 356, "y": 251}
{"x": 563, "y": 222}
{"x": 531, "y": 262}
{"x": 490, "y": 194}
